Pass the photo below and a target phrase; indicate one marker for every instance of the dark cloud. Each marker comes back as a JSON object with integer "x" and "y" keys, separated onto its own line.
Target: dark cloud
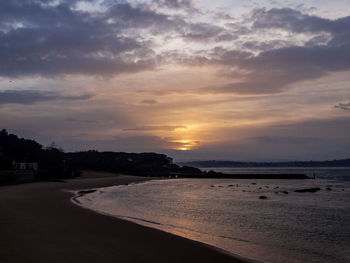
{"x": 343, "y": 106}
{"x": 37, "y": 39}
{"x": 123, "y": 144}
{"x": 71, "y": 119}
{"x": 156, "y": 128}
{"x": 273, "y": 70}
{"x": 178, "y": 4}
{"x": 298, "y": 22}
{"x": 318, "y": 40}
{"x": 266, "y": 45}
{"x": 238, "y": 28}
{"x": 31, "y": 97}
{"x": 80, "y": 120}
{"x": 291, "y": 20}
{"x": 223, "y": 16}
{"x": 149, "y": 102}
{"x": 41, "y": 39}
{"x": 286, "y": 139}
{"x": 125, "y": 16}
{"x": 325, "y": 139}
{"x": 207, "y": 32}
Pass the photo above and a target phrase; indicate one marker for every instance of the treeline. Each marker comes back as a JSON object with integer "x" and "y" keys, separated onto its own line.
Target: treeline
{"x": 51, "y": 160}
{"x": 145, "y": 164}
{"x": 53, "y": 163}
{"x": 214, "y": 163}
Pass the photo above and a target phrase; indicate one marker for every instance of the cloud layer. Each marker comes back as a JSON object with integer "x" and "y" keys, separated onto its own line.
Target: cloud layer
{"x": 40, "y": 38}
{"x": 221, "y": 79}
{"x": 32, "y": 96}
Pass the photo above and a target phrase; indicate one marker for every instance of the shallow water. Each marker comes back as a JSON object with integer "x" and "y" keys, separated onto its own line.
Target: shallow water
{"x": 227, "y": 213}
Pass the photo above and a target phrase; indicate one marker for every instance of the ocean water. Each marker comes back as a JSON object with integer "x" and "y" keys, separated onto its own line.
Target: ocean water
{"x": 286, "y": 227}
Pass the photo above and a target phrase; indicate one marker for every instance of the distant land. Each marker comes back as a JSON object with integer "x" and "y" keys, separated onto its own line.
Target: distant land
{"x": 217, "y": 164}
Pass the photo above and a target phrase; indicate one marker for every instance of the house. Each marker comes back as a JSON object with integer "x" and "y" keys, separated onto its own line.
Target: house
{"x": 25, "y": 166}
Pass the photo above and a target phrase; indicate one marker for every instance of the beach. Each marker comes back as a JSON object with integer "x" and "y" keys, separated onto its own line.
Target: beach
{"x": 39, "y": 223}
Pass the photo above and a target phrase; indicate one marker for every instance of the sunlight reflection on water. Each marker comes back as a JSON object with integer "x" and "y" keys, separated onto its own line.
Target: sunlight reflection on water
{"x": 287, "y": 226}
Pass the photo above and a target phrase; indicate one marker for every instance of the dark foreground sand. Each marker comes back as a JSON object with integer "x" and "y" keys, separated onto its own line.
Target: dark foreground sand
{"x": 38, "y": 223}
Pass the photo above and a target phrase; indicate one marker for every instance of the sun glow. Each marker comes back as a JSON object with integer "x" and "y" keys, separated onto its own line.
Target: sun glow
{"x": 186, "y": 145}
{"x": 183, "y": 149}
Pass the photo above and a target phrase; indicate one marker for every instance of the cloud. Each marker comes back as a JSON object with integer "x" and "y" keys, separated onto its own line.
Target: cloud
{"x": 47, "y": 40}
{"x": 286, "y": 139}
{"x": 125, "y": 16}
{"x": 31, "y": 97}
{"x": 274, "y": 69}
{"x": 42, "y": 38}
{"x": 306, "y": 140}
{"x": 207, "y": 32}
{"x": 266, "y": 45}
{"x": 123, "y": 144}
{"x": 177, "y": 4}
{"x": 80, "y": 120}
{"x": 149, "y": 102}
{"x": 298, "y": 22}
{"x": 156, "y": 128}
{"x": 343, "y": 106}
{"x": 291, "y": 20}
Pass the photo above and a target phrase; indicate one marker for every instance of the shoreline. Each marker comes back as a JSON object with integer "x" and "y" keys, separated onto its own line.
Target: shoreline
{"x": 39, "y": 223}
{"x": 150, "y": 224}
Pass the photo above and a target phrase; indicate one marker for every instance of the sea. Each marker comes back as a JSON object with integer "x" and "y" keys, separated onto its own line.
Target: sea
{"x": 286, "y": 226}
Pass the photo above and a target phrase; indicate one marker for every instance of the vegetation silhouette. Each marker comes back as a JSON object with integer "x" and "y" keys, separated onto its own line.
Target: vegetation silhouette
{"x": 54, "y": 164}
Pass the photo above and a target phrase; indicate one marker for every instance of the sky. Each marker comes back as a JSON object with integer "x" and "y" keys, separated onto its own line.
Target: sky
{"x": 261, "y": 80}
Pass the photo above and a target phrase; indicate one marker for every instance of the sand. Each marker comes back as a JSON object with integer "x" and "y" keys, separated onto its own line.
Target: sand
{"x": 39, "y": 223}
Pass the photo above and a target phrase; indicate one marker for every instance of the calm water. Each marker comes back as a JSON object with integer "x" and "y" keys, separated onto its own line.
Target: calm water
{"x": 285, "y": 227}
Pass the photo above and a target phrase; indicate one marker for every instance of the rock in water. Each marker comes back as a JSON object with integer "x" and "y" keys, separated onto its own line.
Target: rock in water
{"x": 83, "y": 192}
{"x": 308, "y": 190}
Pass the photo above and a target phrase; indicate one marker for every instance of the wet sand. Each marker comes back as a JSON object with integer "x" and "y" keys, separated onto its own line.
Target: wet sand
{"x": 39, "y": 223}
